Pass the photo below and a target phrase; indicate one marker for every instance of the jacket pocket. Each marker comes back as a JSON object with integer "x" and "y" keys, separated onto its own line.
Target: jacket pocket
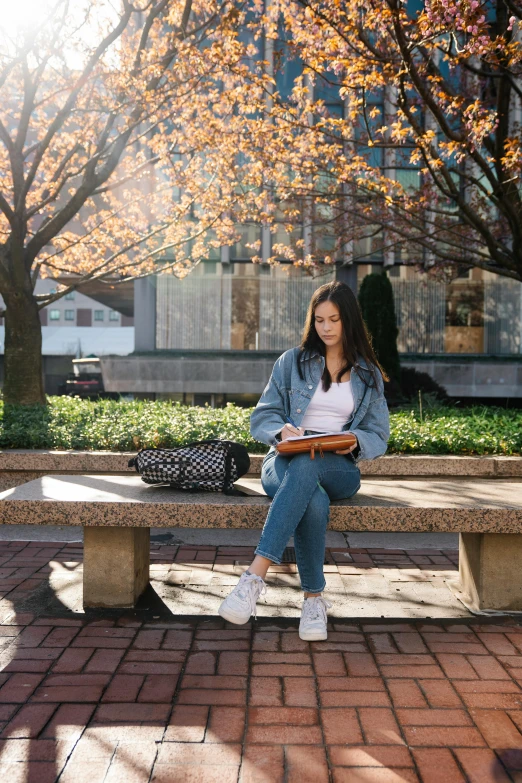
{"x": 298, "y": 396}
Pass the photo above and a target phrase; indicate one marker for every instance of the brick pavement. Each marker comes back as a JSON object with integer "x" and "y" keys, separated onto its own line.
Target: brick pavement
{"x": 131, "y": 697}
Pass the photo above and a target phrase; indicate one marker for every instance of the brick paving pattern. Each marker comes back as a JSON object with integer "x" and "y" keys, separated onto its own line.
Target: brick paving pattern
{"x": 128, "y": 698}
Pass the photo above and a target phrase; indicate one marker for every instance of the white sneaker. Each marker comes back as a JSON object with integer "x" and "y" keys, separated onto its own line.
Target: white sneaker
{"x": 312, "y": 627}
{"x": 240, "y": 604}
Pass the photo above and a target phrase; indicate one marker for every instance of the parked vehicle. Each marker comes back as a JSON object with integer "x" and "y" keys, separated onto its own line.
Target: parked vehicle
{"x": 86, "y": 379}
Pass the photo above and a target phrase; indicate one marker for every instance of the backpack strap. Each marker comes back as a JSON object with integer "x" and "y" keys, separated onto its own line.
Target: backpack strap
{"x": 234, "y": 491}
{"x": 228, "y": 488}
{"x": 228, "y": 468}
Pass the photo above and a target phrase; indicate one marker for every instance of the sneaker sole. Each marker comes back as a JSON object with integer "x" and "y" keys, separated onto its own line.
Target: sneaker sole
{"x": 313, "y": 637}
{"x": 231, "y": 617}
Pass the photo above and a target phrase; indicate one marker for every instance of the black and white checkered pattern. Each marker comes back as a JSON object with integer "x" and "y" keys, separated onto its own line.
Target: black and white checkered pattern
{"x": 211, "y": 465}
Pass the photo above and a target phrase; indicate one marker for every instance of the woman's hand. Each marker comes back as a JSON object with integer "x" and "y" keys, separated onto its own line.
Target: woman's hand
{"x": 348, "y": 451}
{"x": 289, "y": 431}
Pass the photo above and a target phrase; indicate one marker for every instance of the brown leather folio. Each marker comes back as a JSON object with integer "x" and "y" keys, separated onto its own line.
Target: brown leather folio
{"x": 312, "y": 443}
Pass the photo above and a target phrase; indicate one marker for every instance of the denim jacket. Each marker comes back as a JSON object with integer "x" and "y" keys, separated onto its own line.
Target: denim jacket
{"x": 288, "y": 395}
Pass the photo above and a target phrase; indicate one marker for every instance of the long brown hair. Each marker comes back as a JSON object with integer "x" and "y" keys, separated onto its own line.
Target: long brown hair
{"x": 355, "y": 339}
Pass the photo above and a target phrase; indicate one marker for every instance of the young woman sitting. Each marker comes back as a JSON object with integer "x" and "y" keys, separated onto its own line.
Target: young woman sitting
{"x": 332, "y": 382}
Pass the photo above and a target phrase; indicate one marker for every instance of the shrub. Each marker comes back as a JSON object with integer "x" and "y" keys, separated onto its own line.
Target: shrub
{"x": 74, "y": 423}
{"x": 378, "y": 311}
{"x": 448, "y": 430}
{"x": 413, "y": 382}
{"x": 111, "y": 425}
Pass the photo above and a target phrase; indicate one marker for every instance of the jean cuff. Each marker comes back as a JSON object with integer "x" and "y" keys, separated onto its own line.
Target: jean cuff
{"x": 276, "y": 560}
{"x": 313, "y": 590}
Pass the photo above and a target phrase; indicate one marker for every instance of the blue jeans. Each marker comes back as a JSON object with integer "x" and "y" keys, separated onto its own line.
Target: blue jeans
{"x": 301, "y": 489}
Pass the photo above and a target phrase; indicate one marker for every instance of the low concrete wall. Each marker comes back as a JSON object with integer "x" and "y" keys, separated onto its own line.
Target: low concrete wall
{"x": 472, "y": 376}
{"x": 246, "y": 372}
{"x": 18, "y": 466}
{"x": 233, "y": 372}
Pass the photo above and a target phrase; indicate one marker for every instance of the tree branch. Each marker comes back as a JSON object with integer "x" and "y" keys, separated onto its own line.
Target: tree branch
{"x": 6, "y": 209}
{"x": 62, "y": 115}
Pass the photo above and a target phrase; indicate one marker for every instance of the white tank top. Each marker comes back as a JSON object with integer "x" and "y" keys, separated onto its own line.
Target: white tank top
{"x": 329, "y": 411}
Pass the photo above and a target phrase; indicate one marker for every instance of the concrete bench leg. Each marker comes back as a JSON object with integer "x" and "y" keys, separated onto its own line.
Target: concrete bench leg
{"x": 490, "y": 566}
{"x": 115, "y": 566}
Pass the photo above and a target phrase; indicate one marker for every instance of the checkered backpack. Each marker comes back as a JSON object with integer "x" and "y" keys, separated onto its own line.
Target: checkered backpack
{"x": 211, "y": 465}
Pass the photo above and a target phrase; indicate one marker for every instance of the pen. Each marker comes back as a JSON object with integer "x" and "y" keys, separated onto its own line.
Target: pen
{"x": 292, "y": 423}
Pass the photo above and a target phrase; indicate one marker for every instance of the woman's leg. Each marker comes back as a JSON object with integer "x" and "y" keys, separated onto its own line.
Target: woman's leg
{"x": 342, "y": 478}
{"x": 309, "y": 541}
{"x": 297, "y": 484}
{"x": 339, "y": 479}
{"x": 240, "y": 604}
{"x": 272, "y": 474}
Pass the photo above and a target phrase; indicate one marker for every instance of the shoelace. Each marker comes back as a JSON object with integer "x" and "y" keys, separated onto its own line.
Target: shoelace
{"x": 251, "y": 583}
{"x": 315, "y": 608}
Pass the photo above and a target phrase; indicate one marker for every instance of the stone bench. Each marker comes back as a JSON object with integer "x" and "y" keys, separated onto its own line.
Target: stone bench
{"x": 117, "y": 513}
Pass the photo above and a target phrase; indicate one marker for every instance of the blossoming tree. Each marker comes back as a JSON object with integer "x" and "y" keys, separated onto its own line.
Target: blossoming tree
{"x": 118, "y": 156}
{"x": 136, "y": 135}
{"x": 426, "y": 158}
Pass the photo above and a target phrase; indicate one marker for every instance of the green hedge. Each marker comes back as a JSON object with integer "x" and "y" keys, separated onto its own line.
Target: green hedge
{"x": 72, "y": 423}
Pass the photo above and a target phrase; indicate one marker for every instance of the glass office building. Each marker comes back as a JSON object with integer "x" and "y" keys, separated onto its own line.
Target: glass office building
{"x": 257, "y": 307}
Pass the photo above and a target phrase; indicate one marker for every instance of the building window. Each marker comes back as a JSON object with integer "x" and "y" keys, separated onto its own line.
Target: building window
{"x": 84, "y": 316}
{"x": 54, "y": 315}
{"x": 98, "y": 315}
{"x": 250, "y": 233}
{"x": 70, "y": 295}
{"x": 201, "y": 400}
{"x": 114, "y": 315}
{"x": 69, "y": 315}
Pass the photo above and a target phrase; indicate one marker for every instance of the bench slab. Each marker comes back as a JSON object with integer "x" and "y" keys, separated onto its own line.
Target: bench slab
{"x": 117, "y": 512}
{"x": 415, "y": 505}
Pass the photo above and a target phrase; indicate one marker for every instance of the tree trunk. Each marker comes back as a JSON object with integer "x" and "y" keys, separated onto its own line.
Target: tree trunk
{"x": 23, "y": 381}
